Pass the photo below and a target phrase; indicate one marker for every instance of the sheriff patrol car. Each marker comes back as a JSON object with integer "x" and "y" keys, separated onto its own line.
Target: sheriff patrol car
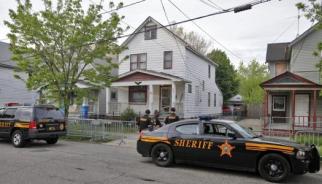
{"x": 21, "y": 124}
{"x": 225, "y": 144}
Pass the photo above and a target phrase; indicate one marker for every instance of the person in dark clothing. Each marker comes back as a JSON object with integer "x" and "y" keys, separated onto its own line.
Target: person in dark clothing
{"x": 145, "y": 121}
{"x": 172, "y": 117}
{"x": 157, "y": 123}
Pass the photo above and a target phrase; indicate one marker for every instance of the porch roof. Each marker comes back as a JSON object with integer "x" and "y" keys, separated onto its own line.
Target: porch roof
{"x": 290, "y": 81}
{"x": 146, "y": 77}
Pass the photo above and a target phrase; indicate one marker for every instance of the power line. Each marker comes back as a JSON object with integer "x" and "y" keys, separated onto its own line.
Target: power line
{"x": 210, "y": 5}
{"x": 128, "y": 5}
{"x": 284, "y": 31}
{"x": 205, "y": 31}
{"x": 236, "y": 9}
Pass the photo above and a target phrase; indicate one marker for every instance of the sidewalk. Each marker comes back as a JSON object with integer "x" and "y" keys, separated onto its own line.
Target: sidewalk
{"x": 128, "y": 141}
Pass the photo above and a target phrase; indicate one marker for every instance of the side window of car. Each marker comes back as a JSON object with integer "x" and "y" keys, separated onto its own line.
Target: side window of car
{"x": 188, "y": 129}
{"x": 9, "y": 113}
{"x": 1, "y": 113}
{"x": 24, "y": 114}
{"x": 217, "y": 130}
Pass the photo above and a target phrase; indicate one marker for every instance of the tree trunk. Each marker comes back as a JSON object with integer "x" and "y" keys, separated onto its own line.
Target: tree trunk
{"x": 66, "y": 106}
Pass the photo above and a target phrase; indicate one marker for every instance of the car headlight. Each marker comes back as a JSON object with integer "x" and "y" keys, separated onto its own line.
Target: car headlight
{"x": 300, "y": 154}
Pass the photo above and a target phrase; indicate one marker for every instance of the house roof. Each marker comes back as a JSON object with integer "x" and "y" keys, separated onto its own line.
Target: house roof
{"x": 304, "y": 35}
{"x": 5, "y": 56}
{"x": 153, "y": 75}
{"x": 277, "y": 52}
{"x": 187, "y": 46}
{"x": 289, "y": 80}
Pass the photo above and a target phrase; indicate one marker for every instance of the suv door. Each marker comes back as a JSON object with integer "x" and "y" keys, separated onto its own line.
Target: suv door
{"x": 229, "y": 148}
{"x": 7, "y": 121}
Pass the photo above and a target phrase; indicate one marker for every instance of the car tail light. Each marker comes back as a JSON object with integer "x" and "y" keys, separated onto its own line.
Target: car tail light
{"x": 33, "y": 125}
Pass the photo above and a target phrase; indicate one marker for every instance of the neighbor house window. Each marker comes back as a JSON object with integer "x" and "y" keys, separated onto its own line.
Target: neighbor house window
{"x": 278, "y": 103}
{"x": 137, "y": 94}
{"x": 215, "y": 100}
{"x": 208, "y": 99}
{"x": 189, "y": 88}
{"x": 209, "y": 71}
{"x": 150, "y": 32}
{"x": 138, "y": 61}
{"x": 203, "y": 85}
{"x": 167, "y": 59}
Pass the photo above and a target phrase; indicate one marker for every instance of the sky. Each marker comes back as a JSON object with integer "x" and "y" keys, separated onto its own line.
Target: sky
{"x": 244, "y": 35}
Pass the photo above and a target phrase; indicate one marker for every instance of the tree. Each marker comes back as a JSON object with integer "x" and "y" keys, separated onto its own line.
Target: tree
{"x": 250, "y": 77}
{"x": 192, "y": 38}
{"x": 226, "y": 75}
{"x": 313, "y": 12}
{"x": 57, "y": 46}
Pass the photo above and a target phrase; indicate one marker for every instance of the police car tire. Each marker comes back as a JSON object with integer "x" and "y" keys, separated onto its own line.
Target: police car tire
{"x": 169, "y": 154}
{"x": 17, "y": 139}
{"x": 52, "y": 140}
{"x": 279, "y": 159}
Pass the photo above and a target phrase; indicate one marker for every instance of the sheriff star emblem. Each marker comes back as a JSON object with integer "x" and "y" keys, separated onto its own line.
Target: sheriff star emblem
{"x": 226, "y": 149}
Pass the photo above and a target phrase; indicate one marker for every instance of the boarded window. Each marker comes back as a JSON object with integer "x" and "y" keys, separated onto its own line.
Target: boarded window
{"x": 138, "y": 61}
{"x": 150, "y": 32}
{"x": 280, "y": 68}
{"x": 137, "y": 94}
{"x": 167, "y": 59}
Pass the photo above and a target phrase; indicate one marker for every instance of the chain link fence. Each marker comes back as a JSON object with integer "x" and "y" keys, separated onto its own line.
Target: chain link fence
{"x": 101, "y": 129}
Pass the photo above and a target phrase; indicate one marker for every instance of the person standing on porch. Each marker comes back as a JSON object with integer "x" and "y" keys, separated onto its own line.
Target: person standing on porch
{"x": 172, "y": 117}
{"x": 156, "y": 122}
{"x": 145, "y": 121}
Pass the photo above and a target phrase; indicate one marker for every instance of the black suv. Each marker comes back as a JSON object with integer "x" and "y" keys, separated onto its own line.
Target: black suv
{"x": 25, "y": 123}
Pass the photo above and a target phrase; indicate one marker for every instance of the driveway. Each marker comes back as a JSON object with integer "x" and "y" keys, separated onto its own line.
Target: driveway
{"x": 84, "y": 163}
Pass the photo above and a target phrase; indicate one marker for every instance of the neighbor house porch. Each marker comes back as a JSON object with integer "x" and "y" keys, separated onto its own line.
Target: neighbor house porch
{"x": 141, "y": 90}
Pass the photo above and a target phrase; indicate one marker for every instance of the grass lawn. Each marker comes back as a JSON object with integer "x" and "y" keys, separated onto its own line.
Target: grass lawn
{"x": 309, "y": 139}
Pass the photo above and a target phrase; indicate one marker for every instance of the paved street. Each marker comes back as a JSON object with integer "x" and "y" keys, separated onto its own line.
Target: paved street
{"x": 72, "y": 162}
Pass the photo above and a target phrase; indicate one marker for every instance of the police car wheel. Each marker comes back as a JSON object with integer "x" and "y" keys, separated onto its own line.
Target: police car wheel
{"x": 17, "y": 139}
{"x": 162, "y": 155}
{"x": 52, "y": 140}
{"x": 273, "y": 167}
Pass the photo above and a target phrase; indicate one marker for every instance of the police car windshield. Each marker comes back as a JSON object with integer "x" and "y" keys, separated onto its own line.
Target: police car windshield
{"x": 246, "y": 133}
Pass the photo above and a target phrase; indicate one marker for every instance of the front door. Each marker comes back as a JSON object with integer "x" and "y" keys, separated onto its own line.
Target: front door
{"x": 302, "y": 108}
{"x": 279, "y": 108}
{"x": 165, "y": 98}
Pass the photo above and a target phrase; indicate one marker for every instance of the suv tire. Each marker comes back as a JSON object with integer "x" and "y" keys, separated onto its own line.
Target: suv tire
{"x": 17, "y": 139}
{"x": 52, "y": 140}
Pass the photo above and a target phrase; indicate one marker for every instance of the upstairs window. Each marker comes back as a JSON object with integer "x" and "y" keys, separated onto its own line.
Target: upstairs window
{"x": 189, "y": 88}
{"x": 167, "y": 59}
{"x": 215, "y": 100}
{"x": 203, "y": 85}
{"x": 209, "y": 71}
{"x": 138, "y": 61}
{"x": 150, "y": 32}
{"x": 280, "y": 68}
{"x": 209, "y": 99}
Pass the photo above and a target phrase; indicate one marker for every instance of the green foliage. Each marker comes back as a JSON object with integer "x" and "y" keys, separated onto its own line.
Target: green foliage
{"x": 251, "y": 76}
{"x": 128, "y": 114}
{"x": 313, "y": 12}
{"x": 226, "y": 75}
{"x": 59, "y": 45}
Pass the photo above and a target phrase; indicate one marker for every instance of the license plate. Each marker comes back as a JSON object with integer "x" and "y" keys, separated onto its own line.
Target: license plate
{"x": 51, "y": 129}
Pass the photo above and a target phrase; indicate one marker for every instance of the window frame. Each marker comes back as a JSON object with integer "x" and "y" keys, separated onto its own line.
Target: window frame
{"x": 148, "y": 32}
{"x": 135, "y": 89}
{"x": 138, "y": 61}
{"x": 284, "y": 101}
{"x": 164, "y": 60}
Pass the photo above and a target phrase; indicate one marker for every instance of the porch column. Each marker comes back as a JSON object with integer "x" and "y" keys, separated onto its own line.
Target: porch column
{"x": 108, "y": 98}
{"x": 173, "y": 94}
{"x": 293, "y": 109}
{"x": 151, "y": 97}
{"x": 314, "y": 109}
{"x": 265, "y": 109}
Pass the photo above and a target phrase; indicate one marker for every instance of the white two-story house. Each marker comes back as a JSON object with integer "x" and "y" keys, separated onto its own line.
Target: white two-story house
{"x": 293, "y": 92}
{"x": 159, "y": 70}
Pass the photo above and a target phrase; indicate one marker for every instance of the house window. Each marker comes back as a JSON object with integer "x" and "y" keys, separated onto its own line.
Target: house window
{"x": 215, "y": 100}
{"x": 203, "y": 85}
{"x": 138, "y": 61}
{"x": 113, "y": 95}
{"x": 150, "y": 32}
{"x": 167, "y": 59}
{"x": 278, "y": 103}
{"x": 189, "y": 88}
{"x": 198, "y": 96}
{"x": 209, "y": 71}
{"x": 208, "y": 99}
{"x": 137, "y": 94}
{"x": 280, "y": 68}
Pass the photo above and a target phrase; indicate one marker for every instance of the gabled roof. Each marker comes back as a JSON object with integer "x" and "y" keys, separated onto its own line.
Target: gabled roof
{"x": 181, "y": 41}
{"x": 150, "y": 74}
{"x": 288, "y": 80}
{"x": 304, "y": 35}
{"x": 277, "y": 52}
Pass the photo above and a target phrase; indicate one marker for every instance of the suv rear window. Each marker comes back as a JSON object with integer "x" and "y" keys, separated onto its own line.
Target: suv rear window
{"x": 48, "y": 113}
{"x": 24, "y": 114}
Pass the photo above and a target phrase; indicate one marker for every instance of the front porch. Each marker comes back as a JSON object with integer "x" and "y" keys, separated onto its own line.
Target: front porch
{"x": 291, "y": 103}
{"x": 141, "y": 90}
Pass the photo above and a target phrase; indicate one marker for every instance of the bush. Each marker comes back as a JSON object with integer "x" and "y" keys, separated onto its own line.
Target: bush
{"x": 128, "y": 115}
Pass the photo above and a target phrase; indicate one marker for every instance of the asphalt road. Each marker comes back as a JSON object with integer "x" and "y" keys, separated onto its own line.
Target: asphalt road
{"x": 84, "y": 163}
